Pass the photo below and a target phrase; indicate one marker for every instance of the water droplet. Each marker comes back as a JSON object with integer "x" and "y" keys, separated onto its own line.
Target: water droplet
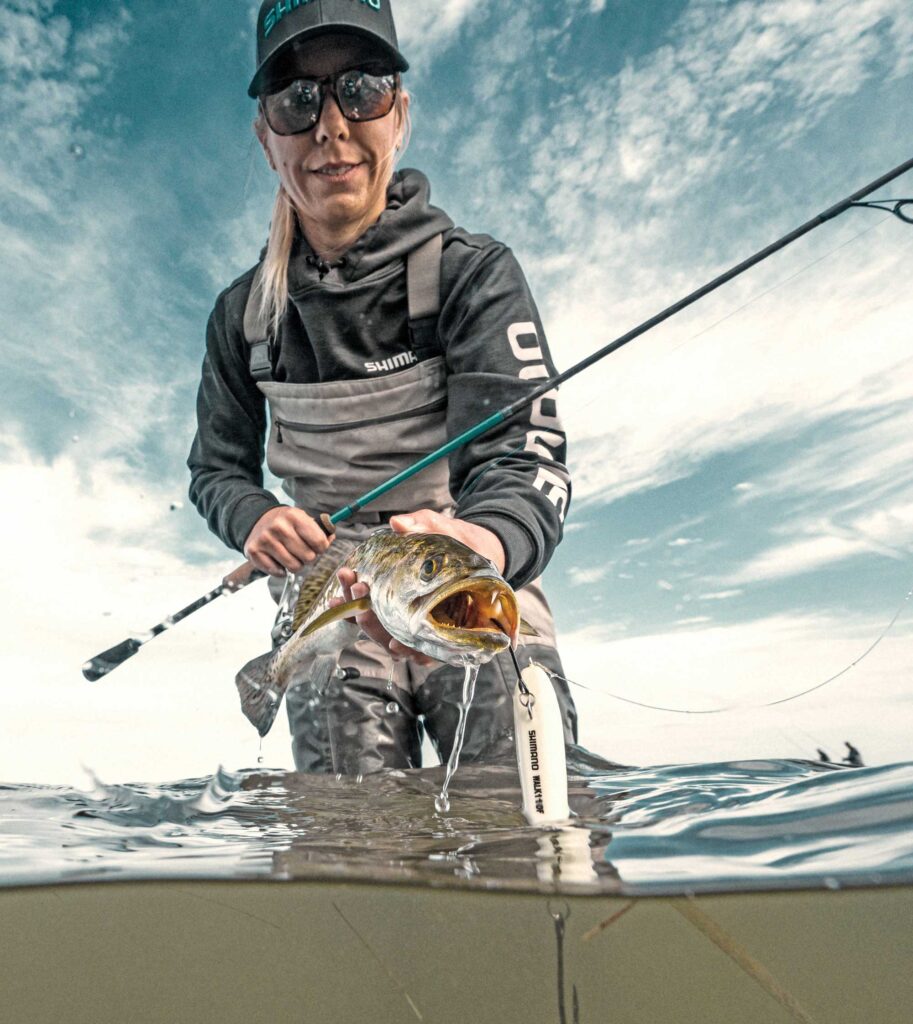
{"x": 392, "y": 707}
{"x": 260, "y": 759}
{"x": 75, "y": 438}
{"x": 471, "y": 674}
{"x": 175, "y": 505}
{"x": 76, "y": 151}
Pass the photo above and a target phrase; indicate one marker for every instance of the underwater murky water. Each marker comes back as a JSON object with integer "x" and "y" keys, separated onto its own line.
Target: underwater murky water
{"x": 737, "y": 825}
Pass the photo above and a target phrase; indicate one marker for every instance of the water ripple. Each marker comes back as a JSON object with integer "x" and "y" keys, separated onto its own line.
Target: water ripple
{"x": 672, "y": 829}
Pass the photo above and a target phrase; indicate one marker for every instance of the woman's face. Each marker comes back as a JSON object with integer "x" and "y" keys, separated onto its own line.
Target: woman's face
{"x": 309, "y": 164}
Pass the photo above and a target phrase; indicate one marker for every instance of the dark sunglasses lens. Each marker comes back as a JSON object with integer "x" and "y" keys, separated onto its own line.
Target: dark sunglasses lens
{"x": 364, "y": 96}
{"x": 296, "y": 108}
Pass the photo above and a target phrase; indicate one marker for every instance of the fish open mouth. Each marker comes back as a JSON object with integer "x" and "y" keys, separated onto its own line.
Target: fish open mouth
{"x": 480, "y": 610}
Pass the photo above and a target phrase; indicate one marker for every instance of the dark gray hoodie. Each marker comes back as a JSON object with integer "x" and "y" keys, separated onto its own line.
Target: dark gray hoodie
{"x": 349, "y": 322}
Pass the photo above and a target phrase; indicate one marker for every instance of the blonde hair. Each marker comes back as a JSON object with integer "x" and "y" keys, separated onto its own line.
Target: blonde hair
{"x": 274, "y": 277}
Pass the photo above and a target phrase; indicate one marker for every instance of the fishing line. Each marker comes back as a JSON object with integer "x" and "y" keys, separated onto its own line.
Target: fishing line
{"x": 746, "y": 707}
{"x": 751, "y": 301}
{"x": 897, "y": 211}
{"x": 775, "y": 287}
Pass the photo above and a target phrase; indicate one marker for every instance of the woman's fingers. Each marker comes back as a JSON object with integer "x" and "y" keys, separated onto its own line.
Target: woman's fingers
{"x": 285, "y": 539}
{"x": 264, "y": 563}
{"x": 309, "y": 530}
{"x": 400, "y": 651}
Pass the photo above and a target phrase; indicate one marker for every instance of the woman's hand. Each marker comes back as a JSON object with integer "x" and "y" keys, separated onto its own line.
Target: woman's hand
{"x": 478, "y": 538}
{"x": 424, "y": 521}
{"x": 284, "y": 539}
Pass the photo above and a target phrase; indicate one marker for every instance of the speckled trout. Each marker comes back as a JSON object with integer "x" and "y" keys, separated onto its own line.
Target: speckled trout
{"x": 429, "y": 591}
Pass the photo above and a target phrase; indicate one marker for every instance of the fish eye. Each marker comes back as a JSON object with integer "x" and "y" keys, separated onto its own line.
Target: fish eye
{"x": 430, "y": 568}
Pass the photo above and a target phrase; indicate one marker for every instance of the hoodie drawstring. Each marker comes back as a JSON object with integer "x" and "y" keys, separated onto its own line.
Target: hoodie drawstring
{"x": 323, "y": 266}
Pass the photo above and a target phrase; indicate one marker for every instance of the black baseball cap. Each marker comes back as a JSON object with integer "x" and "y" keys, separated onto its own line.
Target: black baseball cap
{"x": 282, "y": 22}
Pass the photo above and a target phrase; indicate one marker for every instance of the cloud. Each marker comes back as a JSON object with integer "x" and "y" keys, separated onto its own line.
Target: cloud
{"x": 91, "y": 314}
{"x": 796, "y": 558}
{"x": 624, "y": 189}
{"x": 49, "y": 73}
{"x": 765, "y": 373}
{"x": 582, "y": 577}
{"x": 739, "y": 667}
{"x": 425, "y": 31}
{"x": 676, "y": 115}
{"x": 849, "y": 495}
{"x": 867, "y": 456}
{"x": 93, "y": 562}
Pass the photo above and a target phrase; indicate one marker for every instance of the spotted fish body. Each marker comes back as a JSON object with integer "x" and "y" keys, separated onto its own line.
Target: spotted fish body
{"x": 428, "y": 591}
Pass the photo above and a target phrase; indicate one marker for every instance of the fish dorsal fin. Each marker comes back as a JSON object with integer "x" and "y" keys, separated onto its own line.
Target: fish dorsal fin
{"x": 317, "y": 579}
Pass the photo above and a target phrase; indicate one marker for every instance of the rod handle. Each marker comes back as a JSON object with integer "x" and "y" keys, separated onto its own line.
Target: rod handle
{"x": 241, "y": 576}
{"x": 103, "y": 663}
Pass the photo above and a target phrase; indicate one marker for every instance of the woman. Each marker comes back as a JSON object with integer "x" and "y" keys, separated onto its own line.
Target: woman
{"x": 375, "y": 329}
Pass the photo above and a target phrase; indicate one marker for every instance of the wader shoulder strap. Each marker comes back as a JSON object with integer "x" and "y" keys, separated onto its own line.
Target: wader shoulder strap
{"x": 256, "y": 331}
{"x": 423, "y": 283}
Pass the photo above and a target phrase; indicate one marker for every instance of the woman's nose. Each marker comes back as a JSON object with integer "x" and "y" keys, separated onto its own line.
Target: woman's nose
{"x": 332, "y": 125}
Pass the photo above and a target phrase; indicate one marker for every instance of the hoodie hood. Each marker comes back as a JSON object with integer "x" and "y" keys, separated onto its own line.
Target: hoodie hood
{"x": 408, "y": 221}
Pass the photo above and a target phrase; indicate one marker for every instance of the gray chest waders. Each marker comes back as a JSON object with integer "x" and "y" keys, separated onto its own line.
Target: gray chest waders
{"x": 330, "y": 441}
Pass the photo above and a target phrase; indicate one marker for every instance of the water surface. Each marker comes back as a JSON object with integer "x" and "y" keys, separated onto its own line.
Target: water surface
{"x": 682, "y": 828}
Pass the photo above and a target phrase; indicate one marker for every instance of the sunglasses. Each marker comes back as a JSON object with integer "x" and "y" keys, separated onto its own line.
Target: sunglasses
{"x": 363, "y": 94}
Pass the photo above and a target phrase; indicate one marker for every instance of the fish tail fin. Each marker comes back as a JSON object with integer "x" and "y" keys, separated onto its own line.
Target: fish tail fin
{"x": 260, "y": 692}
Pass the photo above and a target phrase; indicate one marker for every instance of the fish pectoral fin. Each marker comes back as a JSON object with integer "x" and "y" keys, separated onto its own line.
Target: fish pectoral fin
{"x": 527, "y": 630}
{"x": 316, "y": 679}
{"x": 260, "y": 697}
{"x": 337, "y": 612}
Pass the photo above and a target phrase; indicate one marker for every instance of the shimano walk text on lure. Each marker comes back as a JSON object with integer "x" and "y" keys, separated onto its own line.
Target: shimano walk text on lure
{"x": 103, "y": 663}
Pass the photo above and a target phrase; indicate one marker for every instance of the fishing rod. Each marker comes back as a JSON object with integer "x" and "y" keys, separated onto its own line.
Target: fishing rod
{"x": 103, "y": 663}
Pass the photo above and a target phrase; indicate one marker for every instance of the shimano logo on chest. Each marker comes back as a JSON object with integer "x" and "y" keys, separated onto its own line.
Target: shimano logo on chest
{"x": 393, "y": 363}
{"x": 278, "y": 11}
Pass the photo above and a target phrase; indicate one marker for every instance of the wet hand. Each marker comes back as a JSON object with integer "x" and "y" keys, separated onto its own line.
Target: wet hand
{"x": 284, "y": 540}
{"x": 482, "y": 541}
{"x": 368, "y": 622}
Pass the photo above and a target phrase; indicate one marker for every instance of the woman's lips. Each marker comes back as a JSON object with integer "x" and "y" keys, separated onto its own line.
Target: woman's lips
{"x": 337, "y": 173}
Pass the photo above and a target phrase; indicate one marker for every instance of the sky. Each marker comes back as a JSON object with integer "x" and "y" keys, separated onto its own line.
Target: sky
{"x": 742, "y": 520}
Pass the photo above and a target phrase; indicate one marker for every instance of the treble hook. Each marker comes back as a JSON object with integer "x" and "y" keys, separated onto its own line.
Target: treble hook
{"x": 897, "y": 209}
{"x": 526, "y": 698}
{"x": 560, "y": 918}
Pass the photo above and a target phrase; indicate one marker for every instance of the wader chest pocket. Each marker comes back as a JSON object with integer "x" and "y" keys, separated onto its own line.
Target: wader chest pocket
{"x": 326, "y": 455}
{"x": 438, "y": 405}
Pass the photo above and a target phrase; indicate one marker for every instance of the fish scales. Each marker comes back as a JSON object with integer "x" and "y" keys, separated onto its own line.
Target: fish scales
{"x": 428, "y": 591}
